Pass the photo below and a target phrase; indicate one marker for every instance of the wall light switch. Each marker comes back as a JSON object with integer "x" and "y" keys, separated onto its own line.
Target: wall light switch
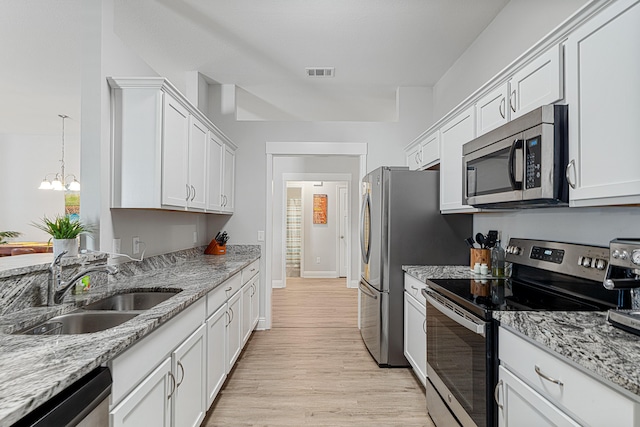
{"x": 261, "y": 236}
{"x": 317, "y": 260}
{"x": 195, "y": 237}
{"x": 136, "y": 245}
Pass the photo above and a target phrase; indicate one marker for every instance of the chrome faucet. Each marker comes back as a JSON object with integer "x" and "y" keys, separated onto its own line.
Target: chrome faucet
{"x": 57, "y": 288}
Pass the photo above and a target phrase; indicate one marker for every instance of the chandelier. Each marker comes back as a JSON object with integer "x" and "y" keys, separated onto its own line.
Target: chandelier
{"x": 61, "y": 181}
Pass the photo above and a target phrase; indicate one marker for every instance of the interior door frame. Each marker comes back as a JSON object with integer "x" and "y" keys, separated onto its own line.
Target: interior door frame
{"x": 275, "y": 149}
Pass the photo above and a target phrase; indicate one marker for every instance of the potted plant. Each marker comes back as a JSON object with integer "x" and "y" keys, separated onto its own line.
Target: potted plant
{"x": 8, "y": 235}
{"x": 64, "y": 232}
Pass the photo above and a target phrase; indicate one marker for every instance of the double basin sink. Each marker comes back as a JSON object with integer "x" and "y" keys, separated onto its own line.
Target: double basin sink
{"x": 101, "y": 315}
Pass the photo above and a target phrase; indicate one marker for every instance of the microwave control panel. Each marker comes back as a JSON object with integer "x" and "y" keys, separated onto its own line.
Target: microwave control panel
{"x": 532, "y": 163}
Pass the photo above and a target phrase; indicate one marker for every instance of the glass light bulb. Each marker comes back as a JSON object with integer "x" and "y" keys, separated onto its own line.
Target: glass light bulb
{"x": 57, "y": 185}
{"x": 74, "y": 186}
{"x": 45, "y": 185}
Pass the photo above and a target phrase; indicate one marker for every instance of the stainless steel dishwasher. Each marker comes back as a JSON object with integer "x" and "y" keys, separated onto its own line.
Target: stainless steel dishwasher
{"x": 84, "y": 403}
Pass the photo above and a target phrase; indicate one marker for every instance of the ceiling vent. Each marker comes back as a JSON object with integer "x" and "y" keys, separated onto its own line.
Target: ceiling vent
{"x": 320, "y": 72}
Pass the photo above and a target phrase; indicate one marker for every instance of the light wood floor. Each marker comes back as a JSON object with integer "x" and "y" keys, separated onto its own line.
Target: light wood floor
{"x": 312, "y": 369}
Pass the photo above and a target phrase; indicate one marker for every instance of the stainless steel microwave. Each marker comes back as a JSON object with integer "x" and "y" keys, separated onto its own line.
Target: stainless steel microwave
{"x": 520, "y": 164}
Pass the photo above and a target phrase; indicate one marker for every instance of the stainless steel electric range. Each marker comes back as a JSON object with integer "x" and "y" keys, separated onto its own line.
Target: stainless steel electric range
{"x": 462, "y": 360}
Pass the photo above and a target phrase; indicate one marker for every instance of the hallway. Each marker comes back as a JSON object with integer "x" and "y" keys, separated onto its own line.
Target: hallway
{"x": 312, "y": 369}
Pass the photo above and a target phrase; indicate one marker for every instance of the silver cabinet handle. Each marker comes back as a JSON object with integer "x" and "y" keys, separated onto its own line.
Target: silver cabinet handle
{"x": 173, "y": 385}
{"x": 546, "y": 377}
{"x": 194, "y": 193}
{"x": 424, "y": 326}
{"x": 232, "y": 315}
{"x": 571, "y": 165}
{"x": 229, "y": 289}
{"x": 501, "y": 107}
{"x": 228, "y": 318}
{"x": 414, "y": 288}
{"x": 226, "y": 200}
{"x": 496, "y": 394}
{"x": 188, "y": 192}
{"x": 182, "y": 377}
{"x": 512, "y": 100}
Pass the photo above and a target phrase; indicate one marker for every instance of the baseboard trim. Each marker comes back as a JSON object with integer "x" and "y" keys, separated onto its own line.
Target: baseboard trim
{"x": 277, "y": 284}
{"x": 319, "y": 274}
{"x": 354, "y": 284}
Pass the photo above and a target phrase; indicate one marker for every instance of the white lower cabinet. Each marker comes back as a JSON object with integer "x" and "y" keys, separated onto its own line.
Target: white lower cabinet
{"x": 415, "y": 336}
{"x": 234, "y": 330}
{"x": 520, "y": 406}
{"x": 149, "y": 404}
{"x": 250, "y": 307}
{"x": 255, "y": 301}
{"x": 189, "y": 369}
{"x": 539, "y": 387}
{"x": 216, "y": 352}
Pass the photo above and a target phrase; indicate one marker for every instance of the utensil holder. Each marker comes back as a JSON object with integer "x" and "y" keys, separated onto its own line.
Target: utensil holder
{"x": 215, "y": 249}
{"x": 481, "y": 256}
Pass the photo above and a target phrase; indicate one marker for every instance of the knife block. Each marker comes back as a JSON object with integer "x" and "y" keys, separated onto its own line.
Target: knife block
{"x": 482, "y": 256}
{"x": 215, "y": 249}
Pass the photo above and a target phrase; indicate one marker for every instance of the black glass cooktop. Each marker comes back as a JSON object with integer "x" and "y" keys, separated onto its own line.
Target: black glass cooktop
{"x": 482, "y": 296}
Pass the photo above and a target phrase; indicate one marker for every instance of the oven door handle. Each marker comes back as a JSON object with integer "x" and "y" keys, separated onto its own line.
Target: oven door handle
{"x": 473, "y": 326}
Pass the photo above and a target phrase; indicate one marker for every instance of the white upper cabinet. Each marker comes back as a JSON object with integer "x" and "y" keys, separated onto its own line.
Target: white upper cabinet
{"x": 175, "y": 153}
{"x": 538, "y": 83}
{"x": 229, "y": 179}
{"x": 492, "y": 110}
{"x": 453, "y": 135}
{"x": 161, "y": 155}
{"x": 424, "y": 153}
{"x": 603, "y": 93}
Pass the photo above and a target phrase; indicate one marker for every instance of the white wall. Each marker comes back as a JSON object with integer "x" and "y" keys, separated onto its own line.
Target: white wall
{"x": 518, "y": 26}
{"x": 104, "y": 55}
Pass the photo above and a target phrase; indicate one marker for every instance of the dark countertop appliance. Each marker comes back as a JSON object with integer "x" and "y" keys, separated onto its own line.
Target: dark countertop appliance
{"x": 462, "y": 360}
{"x": 401, "y": 224}
{"x": 624, "y": 273}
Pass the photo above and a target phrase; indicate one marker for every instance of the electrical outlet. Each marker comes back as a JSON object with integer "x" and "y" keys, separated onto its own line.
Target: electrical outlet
{"x": 317, "y": 260}
{"x": 116, "y": 246}
{"x": 261, "y": 236}
{"x": 195, "y": 237}
{"x": 136, "y": 245}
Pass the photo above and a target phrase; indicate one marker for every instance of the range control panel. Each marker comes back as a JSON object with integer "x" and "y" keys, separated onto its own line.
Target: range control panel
{"x": 585, "y": 261}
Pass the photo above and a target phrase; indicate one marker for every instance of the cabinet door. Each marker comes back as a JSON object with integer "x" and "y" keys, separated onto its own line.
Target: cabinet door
{"x": 453, "y": 135}
{"x": 255, "y": 301}
{"x": 216, "y": 352}
{"x": 492, "y": 110}
{"x": 228, "y": 181}
{"x": 234, "y": 331}
{"x": 520, "y": 406}
{"x": 198, "y": 140}
{"x": 415, "y": 339}
{"x": 148, "y": 404}
{"x": 215, "y": 155}
{"x": 414, "y": 160}
{"x": 175, "y": 143}
{"x": 538, "y": 83}
{"x": 246, "y": 312}
{"x": 430, "y": 148}
{"x": 603, "y": 66}
{"x": 189, "y": 369}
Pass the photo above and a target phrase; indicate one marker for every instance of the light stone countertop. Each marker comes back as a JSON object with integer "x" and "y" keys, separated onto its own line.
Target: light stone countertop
{"x": 586, "y": 339}
{"x": 35, "y": 368}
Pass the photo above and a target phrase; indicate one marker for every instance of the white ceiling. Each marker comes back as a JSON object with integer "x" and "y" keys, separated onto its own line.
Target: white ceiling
{"x": 262, "y": 46}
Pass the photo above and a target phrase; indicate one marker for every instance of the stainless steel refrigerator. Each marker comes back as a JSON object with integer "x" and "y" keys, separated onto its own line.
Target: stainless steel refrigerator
{"x": 400, "y": 225}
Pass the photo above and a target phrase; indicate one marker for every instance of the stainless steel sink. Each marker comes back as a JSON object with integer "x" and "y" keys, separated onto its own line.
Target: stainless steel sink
{"x": 131, "y": 301}
{"x": 80, "y": 322}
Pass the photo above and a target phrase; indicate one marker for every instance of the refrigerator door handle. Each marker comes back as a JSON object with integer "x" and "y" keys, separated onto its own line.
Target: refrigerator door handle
{"x": 366, "y": 213}
{"x": 365, "y": 290}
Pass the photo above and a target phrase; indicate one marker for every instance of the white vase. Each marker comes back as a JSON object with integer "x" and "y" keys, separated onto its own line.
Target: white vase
{"x": 69, "y": 245}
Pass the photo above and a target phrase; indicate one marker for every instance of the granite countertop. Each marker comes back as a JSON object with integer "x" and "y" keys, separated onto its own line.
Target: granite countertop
{"x": 34, "y": 368}
{"x": 586, "y": 339}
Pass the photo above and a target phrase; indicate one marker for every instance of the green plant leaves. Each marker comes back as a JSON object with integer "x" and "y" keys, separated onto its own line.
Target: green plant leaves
{"x": 62, "y": 227}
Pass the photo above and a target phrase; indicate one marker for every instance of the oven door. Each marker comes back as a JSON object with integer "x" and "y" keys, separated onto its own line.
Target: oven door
{"x": 458, "y": 363}
{"x": 495, "y": 173}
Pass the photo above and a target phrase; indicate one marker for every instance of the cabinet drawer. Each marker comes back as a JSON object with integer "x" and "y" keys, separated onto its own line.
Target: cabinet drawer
{"x": 249, "y": 271}
{"x": 222, "y": 293}
{"x": 586, "y": 399}
{"x": 413, "y": 287}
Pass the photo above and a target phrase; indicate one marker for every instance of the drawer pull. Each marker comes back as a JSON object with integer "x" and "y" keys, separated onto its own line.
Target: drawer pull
{"x": 414, "y": 288}
{"x": 545, "y": 377}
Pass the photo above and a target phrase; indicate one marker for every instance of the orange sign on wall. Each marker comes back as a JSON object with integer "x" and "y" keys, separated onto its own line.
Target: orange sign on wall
{"x": 319, "y": 208}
